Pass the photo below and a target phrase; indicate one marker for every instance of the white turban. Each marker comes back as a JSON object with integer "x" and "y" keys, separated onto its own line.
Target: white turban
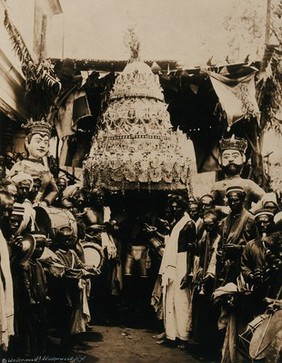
{"x": 71, "y": 190}
{"x": 20, "y": 177}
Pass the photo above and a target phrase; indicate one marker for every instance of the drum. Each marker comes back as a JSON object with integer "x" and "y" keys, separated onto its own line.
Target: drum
{"x": 93, "y": 254}
{"x": 254, "y": 342}
{"x": 264, "y": 335}
{"x": 50, "y": 219}
{"x": 245, "y": 338}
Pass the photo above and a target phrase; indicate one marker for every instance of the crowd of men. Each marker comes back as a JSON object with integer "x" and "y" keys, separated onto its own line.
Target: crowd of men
{"x": 206, "y": 265}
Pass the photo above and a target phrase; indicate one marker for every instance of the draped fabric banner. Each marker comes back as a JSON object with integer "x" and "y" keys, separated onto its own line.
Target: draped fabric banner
{"x": 236, "y": 96}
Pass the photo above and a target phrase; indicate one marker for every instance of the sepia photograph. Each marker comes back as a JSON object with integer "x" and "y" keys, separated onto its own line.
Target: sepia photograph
{"x": 140, "y": 181}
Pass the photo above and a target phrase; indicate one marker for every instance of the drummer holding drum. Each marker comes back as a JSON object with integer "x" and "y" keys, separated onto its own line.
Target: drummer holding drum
{"x": 70, "y": 291}
{"x": 261, "y": 264}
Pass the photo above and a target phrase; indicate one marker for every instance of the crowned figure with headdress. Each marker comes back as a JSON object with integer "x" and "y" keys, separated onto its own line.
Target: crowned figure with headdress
{"x": 231, "y": 159}
{"x": 37, "y": 147}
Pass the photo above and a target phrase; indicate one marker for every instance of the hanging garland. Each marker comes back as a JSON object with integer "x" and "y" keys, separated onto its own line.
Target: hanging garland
{"x": 20, "y": 48}
{"x": 273, "y": 95}
{"x": 42, "y": 84}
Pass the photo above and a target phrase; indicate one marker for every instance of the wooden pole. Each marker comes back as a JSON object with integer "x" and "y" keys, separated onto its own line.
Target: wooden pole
{"x": 267, "y": 23}
{"x": 63, "y": 36}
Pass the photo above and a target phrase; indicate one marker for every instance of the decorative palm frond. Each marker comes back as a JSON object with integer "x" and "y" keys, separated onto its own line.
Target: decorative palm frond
{"x": 42, "y": 85}
{"x": 20, "y": 48}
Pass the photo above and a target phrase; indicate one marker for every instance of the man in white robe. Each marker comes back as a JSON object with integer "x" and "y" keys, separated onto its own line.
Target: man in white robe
{"x": 6, "y": 283}
{"x": 174, "y": 270}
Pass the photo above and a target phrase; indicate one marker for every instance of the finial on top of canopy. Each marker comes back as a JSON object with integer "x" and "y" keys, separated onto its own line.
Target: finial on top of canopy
{"x": 132, "y": 42}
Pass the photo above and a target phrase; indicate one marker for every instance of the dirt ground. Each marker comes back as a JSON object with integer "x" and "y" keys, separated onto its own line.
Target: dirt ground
{"x": 127, "y": 337}
{"x": 128, "y": 345}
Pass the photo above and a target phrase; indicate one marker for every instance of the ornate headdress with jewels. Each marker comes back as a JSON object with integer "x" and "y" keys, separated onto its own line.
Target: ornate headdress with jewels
{"x": 234, "y": 143}
{"x": 37, "y": 127}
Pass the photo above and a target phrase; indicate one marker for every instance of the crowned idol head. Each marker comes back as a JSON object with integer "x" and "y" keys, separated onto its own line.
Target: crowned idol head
{"x": 37, "y": 139}
{"x": 232, "y": 155}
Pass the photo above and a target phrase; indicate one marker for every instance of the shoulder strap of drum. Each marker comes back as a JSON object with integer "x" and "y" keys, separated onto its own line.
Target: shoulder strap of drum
{"x": 72, "y": 259}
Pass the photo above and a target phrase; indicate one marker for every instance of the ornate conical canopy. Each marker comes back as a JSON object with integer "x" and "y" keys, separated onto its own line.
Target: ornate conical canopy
{"x": 135, "y": 147}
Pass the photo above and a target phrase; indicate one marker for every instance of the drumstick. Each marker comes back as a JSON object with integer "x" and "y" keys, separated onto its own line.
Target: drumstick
{"x": 263, "y": 335}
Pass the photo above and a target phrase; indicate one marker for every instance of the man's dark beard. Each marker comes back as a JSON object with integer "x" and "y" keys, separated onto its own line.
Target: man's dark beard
{"x": 195, "y": 217}
{"x": 21, "y": 198}
{"x": 232, "y": 169}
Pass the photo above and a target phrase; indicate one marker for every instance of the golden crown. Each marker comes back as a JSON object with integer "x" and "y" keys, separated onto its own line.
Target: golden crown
{"x": 37, "y": 127}
{"x": 234, "y": 143}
